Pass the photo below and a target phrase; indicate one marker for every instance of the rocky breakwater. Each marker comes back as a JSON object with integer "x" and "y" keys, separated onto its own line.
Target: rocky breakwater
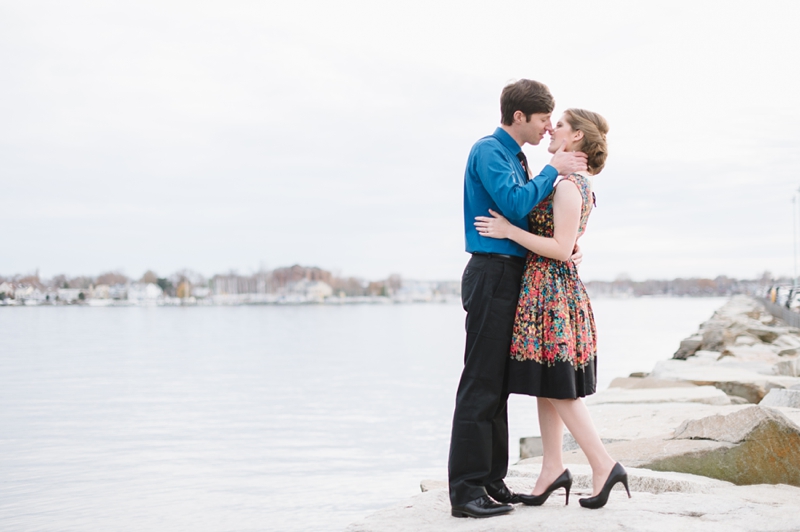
{"x": 742, "y": 350}
{"x": 710, "y": 439}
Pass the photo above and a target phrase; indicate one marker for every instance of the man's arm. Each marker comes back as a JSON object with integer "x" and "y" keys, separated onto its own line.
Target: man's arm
{"x": 496, "y": 173}
{"x": 514, "y": 200}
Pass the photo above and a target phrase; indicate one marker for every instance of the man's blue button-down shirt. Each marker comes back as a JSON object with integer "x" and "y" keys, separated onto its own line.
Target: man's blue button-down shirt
{"x": 495, "y": 180}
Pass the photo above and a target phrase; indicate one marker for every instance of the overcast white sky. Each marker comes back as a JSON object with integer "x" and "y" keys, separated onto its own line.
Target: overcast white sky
{"x": 239, "y": 135}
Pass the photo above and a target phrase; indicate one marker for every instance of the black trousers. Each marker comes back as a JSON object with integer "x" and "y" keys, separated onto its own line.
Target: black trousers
{"x": 479, "y": 442}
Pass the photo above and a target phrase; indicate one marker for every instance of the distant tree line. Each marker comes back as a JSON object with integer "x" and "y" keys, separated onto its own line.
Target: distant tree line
{"x": 180, "y": 283}
{"x": 692, "y": 287}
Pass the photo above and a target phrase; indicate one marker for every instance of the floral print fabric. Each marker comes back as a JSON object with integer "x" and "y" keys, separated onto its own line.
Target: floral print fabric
{"x": 554, "y": 321}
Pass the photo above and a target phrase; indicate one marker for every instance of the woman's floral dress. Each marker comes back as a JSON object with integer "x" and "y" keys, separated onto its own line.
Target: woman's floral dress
{"x": 553, "y": 346}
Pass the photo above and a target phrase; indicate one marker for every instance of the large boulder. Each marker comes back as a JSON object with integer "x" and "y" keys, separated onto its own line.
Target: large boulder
{"x": 740, "y": 444}
{"x": 754, "y": 445}
{"x": 530, "y": 447}
{"x": 717, "y": 337}
{"x": 637, "y": 421}
{"x": 732, "y": 377}
{"x": 785, "y": 398}
{"x": 617, "y": 420}
{"x": 688, "y": 347}
{"x": 766, "y": 333}
{"x": 645, "y": 425}
{"x": 789, "y": 367}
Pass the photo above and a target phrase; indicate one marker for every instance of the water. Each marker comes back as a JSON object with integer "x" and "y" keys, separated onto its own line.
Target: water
{"x": 251, "y": 418}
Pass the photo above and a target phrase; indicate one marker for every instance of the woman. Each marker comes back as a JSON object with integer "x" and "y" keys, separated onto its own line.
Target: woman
{"x": 553, "y": 349}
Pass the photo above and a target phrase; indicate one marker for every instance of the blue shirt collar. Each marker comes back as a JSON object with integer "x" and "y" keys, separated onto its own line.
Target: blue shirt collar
{"x": 507, "y": 140}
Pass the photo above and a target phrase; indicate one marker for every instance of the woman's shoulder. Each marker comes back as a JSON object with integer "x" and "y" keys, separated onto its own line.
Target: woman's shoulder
{"x": 579, "y": 178}
{"x": 582, "y": 181}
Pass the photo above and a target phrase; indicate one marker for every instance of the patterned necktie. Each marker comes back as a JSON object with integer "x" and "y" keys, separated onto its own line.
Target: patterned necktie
{"x": 524, "y": 161}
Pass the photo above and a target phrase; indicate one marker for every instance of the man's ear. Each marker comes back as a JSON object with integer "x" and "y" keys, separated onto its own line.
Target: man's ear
{"x": 519, "y": 116}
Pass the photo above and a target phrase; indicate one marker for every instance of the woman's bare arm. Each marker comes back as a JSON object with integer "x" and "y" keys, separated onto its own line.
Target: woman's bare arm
{"x": 567, "y": 203}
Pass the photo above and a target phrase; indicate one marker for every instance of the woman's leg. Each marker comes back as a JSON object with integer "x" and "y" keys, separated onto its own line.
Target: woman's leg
{"x": 552, "y": 429}
{"x": 577, "y": 419}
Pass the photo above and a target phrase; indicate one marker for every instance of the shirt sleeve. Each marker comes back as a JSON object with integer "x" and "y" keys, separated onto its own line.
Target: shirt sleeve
{"x": 497, "y": 176}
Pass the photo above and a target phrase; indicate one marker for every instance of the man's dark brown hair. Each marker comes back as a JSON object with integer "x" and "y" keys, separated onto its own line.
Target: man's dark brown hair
{"x": 527, "y": 96}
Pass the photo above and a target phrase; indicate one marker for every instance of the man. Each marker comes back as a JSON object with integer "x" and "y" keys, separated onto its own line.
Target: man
{"x": 496, "y": 178}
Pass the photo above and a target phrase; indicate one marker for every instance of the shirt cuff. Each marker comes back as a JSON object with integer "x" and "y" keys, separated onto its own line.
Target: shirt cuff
{"x": 549, "y": 171}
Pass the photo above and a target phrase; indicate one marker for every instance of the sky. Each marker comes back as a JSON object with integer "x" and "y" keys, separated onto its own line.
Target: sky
{"x": 221, "y": 136}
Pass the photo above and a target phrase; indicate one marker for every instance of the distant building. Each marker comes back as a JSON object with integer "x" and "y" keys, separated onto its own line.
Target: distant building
{"x": 118, "y": 291}
{"x": 144, "y": 292}
{"x": 7, "y": 289}
{"x": 201, "y": 291}
{"x": 318, "y": 290}
{"x": 101, "y": 291}
{"x": 29, "y": 295}
{"x": 69, "y": 295}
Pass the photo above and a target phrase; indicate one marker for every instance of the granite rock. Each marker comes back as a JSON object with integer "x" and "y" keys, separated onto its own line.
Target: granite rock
{"x": 733, "y": 378}
{"x": 695, "y": 394}
{"x": 754, "y": 446}
{"x": 778, "y": 397}
{"x": 766, "y": 333}
{"x": 530, "y": 447}
{"x": 661, "y": 501}
{"x": 688, "y": 347}
{"x": 629, "y": 383}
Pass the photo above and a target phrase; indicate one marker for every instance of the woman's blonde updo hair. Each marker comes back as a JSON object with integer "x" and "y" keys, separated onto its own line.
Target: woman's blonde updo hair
{"x": 593, "y": 144}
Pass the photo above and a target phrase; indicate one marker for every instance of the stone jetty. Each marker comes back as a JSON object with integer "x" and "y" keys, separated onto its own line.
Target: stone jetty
{"x": 710, "y": 439}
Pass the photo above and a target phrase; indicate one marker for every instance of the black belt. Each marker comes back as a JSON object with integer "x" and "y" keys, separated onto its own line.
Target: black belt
{"x": 499, "y": 256}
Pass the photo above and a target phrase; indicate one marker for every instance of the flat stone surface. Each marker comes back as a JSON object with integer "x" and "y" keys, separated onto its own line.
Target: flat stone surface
{"x": 695, "y": 394}
{"x": 644, "y": 452}
{"x": 633, "y": 421}
{"x": 633, "y": 383}
{"x": 710, "y": 507}
{"x": 429, "y": 484}
{"x": 765, "y": 354}
{"x": 620, "y": 421}
{"x": 638, "y": 479}
{"x": 727, "y": 377}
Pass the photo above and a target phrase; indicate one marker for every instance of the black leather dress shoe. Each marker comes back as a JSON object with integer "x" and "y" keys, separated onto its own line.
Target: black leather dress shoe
{"x": 483, "y": 506}
{"x": 503, "y": 495}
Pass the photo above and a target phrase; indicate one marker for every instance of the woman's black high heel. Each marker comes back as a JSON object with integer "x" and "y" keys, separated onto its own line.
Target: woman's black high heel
{"x": 564, "y": 481}
{"x": 618, "y": 474}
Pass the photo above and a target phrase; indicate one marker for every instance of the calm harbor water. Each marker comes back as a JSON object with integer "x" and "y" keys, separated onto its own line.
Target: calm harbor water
{"x": 300, "y": 418}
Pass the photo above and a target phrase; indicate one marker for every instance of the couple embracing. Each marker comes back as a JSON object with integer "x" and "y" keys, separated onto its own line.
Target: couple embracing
{"x": 530, "y": 328}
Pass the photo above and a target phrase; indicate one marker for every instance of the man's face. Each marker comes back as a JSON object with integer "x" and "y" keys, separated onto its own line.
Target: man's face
{"x": 534, "y": 129}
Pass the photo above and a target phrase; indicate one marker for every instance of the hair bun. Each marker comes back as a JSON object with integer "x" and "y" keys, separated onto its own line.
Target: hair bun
{"x": 594, "y": 143}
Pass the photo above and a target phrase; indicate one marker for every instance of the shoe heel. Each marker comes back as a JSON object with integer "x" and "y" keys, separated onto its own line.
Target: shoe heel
{"x": 625, "y": 483}
{"x": 567, "y": 487}
{"x": 456, "y": 513}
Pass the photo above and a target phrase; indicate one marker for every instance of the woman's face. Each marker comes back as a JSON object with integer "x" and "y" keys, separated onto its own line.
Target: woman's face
{"x": 563, "y": 133}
